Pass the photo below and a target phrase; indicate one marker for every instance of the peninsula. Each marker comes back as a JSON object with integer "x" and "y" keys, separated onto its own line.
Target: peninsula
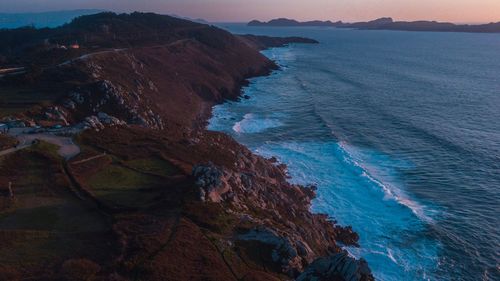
{"x": 114, "y": 177}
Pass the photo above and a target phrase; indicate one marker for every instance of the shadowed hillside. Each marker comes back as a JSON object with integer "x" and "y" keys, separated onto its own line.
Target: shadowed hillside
{"x": 152, "y": 195}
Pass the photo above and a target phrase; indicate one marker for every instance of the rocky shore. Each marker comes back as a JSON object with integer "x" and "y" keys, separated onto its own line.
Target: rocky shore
{"x": 177, "y": 202}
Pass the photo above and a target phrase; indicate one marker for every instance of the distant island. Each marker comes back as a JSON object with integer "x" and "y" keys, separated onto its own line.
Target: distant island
{"x": 283, "y": 22}
{"x": 388, "y": 24}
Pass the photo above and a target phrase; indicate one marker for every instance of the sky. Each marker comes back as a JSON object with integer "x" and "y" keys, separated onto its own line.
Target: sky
{"x": 459, "y": 11}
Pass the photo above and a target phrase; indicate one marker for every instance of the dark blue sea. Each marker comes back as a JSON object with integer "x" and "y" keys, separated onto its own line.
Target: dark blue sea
{"x": 400, "y": 131}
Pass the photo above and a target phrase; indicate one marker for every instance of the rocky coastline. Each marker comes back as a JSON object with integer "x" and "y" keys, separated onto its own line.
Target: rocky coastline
{"x": 175, "y": 201}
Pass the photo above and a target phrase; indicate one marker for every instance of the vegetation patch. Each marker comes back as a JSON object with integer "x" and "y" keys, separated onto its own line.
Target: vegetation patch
{"x": 116, "y": 177}
{"x": 210, "y": 215}
{"x": 44, "y": 221}
{"x": 122, "y": 186}
{"x": 47, "y": 149}
{"x": 127, "y": 198}
{"x": 153, "y": 165}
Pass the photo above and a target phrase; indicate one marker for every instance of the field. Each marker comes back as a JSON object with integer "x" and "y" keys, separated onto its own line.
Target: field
{"x": 123, "y": 187}
{"x": 44, "y": 223}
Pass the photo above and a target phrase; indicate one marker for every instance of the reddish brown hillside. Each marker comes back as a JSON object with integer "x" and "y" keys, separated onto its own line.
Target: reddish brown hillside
{"x": 153, "y": 195}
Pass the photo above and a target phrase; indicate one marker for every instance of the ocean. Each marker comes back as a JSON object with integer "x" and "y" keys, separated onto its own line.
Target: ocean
{"x": 400, "y": 131}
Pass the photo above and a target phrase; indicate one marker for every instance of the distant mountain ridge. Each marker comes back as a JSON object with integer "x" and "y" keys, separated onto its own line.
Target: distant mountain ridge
{"x": 43, "y": 19}
{"x": 290, "y": 22}
{"x": 388, "y": 23}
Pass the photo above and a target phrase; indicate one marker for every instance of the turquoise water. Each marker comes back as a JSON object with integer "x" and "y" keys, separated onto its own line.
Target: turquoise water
{"x": 400, "y": 131}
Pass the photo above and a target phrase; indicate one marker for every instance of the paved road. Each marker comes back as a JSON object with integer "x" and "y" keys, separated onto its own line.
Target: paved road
{"x": 67, "y": 148}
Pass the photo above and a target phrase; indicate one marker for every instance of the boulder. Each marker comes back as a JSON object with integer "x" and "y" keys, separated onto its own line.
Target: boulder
{"x": 209, "y": 179}
{"x": 284, "y": 252}
{"x": 338, "y": 267}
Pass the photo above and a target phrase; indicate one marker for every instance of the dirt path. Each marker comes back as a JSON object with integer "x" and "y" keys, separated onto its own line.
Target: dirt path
{"x": 12, "y": 150}
{"x": 86, "y": 56}
{"x": 67, "y": 148}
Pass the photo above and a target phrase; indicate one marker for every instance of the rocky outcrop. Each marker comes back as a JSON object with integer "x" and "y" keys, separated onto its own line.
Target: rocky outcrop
{"x": 339, "y": 267}
{"x": 283, "y": 252}
{"x": 209, "y": 180}
{"x": 215, "y": 210}
{"x": 57, "y": 115}
{"x": 101, "y": 121}
{"x": 96, "y": 97}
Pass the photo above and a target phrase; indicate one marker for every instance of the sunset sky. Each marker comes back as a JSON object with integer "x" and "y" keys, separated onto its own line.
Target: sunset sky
{"x": 462, "y": 11}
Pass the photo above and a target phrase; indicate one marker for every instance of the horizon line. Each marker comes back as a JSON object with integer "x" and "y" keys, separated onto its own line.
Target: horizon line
{"x": 243, "y": 21}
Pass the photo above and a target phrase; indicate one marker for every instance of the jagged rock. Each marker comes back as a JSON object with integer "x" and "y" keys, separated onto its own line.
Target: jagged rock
{"x": 93, "y": 122}
{"x": 209, "y": 180}
{"x": 284, "y": 252}
{"x": 77, "y": 98}
{"x": 101, "y": 120}
{"x": 109, "y": 120}
{"x": 121, "y": 102}
{"x": 56, "y": 114}
{"x": 339, "y": 267}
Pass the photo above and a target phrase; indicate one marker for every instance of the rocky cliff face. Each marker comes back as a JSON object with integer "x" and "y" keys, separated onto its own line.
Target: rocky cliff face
{"x": 197, "y": 205}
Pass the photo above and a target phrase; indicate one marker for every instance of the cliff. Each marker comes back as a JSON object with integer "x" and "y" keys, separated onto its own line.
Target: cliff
{"x": 153, "y": 195}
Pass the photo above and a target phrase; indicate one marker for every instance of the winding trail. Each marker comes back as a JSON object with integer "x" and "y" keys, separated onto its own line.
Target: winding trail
{"x": 86, "y": 56}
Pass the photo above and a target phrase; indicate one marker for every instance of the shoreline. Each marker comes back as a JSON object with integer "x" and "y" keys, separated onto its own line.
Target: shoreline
{"x": 226, "y": 121}
{"x": 228, "y": 201}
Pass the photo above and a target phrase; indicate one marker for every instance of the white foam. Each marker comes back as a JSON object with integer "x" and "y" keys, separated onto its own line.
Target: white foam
{"x": 251, "y": 124}
{"x": 389, "y": 254}
{"x": 390, "y": 191}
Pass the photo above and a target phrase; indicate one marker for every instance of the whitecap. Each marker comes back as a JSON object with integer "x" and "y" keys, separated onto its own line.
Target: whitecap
{"x": 390, "y": 191}
{"x": 251, "y": 124}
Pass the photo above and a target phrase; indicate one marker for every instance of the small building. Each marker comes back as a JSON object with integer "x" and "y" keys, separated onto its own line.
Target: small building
{"x": 74, "y": 46}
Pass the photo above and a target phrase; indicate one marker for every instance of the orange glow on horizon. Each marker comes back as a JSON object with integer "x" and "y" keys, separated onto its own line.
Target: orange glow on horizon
{"x": 459, "y": 11}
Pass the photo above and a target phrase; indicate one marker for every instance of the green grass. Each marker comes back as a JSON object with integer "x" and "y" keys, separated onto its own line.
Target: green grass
{"x": 46, "y": 148}
{"x": 124, "y": 187}
{"x": 127, "y": 198}
{"x": 40, "y": 218}
{"x": 154, "y": 166}
{"x": 45, "y": 222}
{"x": 118, "y": 177}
